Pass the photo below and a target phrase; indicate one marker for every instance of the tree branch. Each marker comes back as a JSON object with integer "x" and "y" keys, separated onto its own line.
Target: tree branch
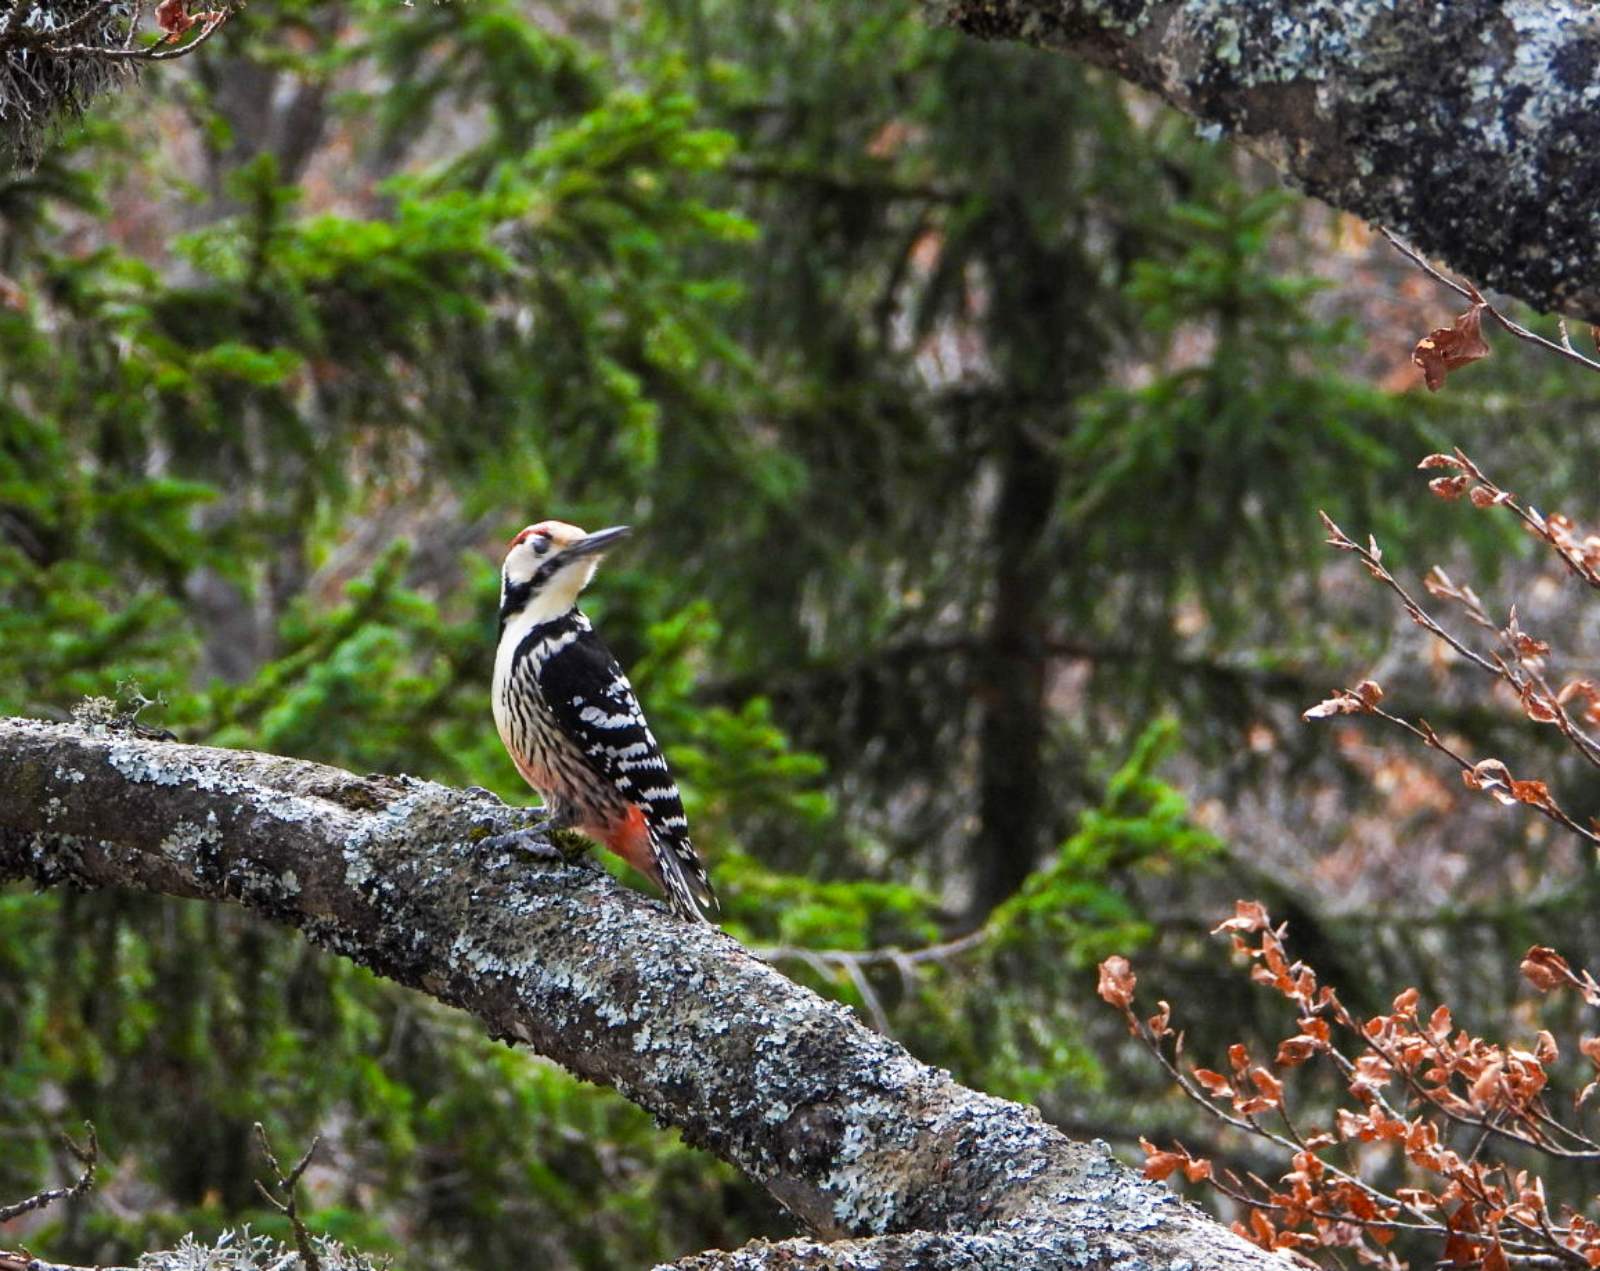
{"x": 852, "y": 1134}
{"x": 1468, "y": 127}
{"x": 87, "y": 1156}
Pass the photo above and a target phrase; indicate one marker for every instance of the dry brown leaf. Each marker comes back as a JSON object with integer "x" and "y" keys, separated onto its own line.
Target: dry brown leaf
{"x": 1490, "y": 775}
{"x": 1270, "y": 1087}
{"x": 1117, "y": 982}
{"x": 1197, "y": 1169}
{"x": 1447, "y": 349}
{"x": 172, "y": 16}
{"x": 1248, "y": 915}
{"x": 1545, "y": 969}
{"x": 1158, "y": 1164}
{"x": 1215, "y": 1084}
{"x": 1160, "y": 1024}
{"x": 1534, "y": 792}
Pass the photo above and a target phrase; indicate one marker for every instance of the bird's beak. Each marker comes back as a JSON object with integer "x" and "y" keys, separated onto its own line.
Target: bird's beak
{"x": 599, "y": 541}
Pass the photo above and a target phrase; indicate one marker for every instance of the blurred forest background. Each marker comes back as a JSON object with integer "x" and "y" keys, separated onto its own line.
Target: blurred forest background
{"x": 973, "y": 413}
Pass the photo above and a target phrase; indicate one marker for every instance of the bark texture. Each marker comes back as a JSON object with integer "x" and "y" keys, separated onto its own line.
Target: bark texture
{"x": 1471, "y": 128}
{"x": 857, "y": 1138}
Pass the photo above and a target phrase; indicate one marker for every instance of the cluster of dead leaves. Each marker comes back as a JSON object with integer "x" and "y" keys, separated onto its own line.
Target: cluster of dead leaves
{"x": 1580, "y": 551}
{"x": 175, "y": 20}
{"x": 1363, "y": 699}
{"x": 1546, "y": 969}
{"x": 1518, "y": 658}
{"x": 1493, "y": 778}
{"x": 1453, "y": 487}
{"x": 1411, "y": 1077}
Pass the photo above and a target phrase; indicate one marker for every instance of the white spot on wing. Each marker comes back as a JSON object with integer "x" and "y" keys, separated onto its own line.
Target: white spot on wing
{"x": 598, "y": 718}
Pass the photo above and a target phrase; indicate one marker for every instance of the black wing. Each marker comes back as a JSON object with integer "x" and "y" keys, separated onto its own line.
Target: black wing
{"x": 593, "y": 703}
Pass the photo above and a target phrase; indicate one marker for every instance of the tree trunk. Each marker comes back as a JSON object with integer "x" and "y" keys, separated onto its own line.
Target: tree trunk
{"x": 1010, "y": 677}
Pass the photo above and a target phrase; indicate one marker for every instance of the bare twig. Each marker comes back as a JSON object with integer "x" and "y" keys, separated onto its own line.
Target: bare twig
{"x": 854, "y": 964}
{"x": 1466, "y": 289}
{"x": 159, "y": 52}
{"x": 943, "y": 951}
{"x": 1540, "y": 702}
{"x": 289, "y": 1205}
{"x": 1552, "y": 530}
{"x": 88, "y": 1156}
{"x": 1372, "y": 557}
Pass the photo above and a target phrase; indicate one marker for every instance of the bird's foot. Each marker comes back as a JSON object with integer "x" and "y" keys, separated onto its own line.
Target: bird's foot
{"x": 531, "y": 841}
{"x": 548, "y": 836}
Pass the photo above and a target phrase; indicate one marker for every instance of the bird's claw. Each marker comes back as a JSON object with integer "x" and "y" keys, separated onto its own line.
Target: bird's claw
{"x": 529, "y": 841}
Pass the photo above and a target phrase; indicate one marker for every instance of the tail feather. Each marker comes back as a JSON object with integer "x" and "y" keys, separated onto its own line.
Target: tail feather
{"x": 665, "y": 857}
{"x": 684, "y": 880}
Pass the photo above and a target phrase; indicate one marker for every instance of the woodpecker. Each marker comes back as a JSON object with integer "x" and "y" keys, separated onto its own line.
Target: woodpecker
{"x": 571, "y": 722}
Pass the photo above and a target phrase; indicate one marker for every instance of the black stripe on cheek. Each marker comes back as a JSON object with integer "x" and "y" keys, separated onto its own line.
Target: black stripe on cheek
{"x": 516, "y": 600}
{"x": 546, "y": 572}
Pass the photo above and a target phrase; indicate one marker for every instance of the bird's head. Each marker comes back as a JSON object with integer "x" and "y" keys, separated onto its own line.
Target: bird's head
{"x": 548, "y": 564}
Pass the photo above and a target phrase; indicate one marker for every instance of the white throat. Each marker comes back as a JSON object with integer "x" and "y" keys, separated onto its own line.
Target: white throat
{"x": 554, "y": 598}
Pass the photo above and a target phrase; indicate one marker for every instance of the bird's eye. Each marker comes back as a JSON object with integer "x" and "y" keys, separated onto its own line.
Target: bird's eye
{"x": 541, "y": 544}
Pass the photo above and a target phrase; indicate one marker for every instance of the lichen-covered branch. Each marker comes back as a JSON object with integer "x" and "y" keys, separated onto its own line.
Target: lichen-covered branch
{"x": 1469, "y": 127}
{"x": 230, "y": 1251}
{"x": 852, "y": 1134}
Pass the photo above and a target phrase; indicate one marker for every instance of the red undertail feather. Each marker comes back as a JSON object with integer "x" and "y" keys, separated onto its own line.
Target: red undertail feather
{"x": 629, "y": 837}
{"x": 684, "y": 882}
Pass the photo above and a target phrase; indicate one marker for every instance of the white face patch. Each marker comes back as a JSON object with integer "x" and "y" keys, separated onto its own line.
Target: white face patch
{"x": 520, "y": 564}
{"x": 534, "y": 549}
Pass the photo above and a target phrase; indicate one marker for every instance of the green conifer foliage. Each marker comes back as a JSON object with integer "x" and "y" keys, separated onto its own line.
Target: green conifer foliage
{"x": 972, "y": 414}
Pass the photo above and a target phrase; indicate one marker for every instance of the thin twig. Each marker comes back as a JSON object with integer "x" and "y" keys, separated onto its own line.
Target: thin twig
{"x": 854, "y": 965}
{"x": 1473, "y": 294}
{"x": 158, "y": 52}
{"x": 1533, "y": 519}
{"x": 289, "y": 1206}
{"x": 88, "y": 1156}
{"x": 943, "y": 951}
{"x": 1528, "y": 683}
{"x": 1372, "y": 558}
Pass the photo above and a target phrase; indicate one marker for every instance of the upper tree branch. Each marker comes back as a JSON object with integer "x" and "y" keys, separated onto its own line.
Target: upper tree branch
{"x": 1469, "y": 127}
{"x": 855, "y": 1136}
